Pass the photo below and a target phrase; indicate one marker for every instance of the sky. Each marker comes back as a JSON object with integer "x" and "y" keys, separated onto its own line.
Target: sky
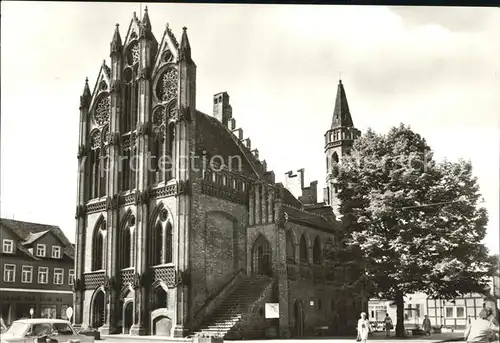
{"x": 435, "y": 69}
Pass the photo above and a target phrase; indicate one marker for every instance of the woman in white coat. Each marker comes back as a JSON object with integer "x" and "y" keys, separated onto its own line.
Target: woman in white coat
{"x": 363, "y": 328}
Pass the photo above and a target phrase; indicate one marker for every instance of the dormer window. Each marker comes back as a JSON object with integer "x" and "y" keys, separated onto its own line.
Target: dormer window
{"x": 8, "y": 246}
{"x": 56, "y": 251}
{"x": 40, "y": 250}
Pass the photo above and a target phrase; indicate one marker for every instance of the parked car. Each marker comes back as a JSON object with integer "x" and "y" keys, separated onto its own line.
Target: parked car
{"x": 29, "y": 330}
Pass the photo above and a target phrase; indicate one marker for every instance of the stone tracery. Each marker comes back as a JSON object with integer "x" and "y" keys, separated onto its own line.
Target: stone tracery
{"x": 95, "y": 140}
{"x": 166, "y": 88}
{"x": 133, "y": 53}
{"x": 102, "y": 110}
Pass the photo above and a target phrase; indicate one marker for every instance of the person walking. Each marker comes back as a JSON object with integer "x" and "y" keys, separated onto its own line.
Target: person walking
{"x": 363, "y": 328}
{"x": 426, "y": 325}
{"x": 481, "y": 330}
{"x": 388, "y": 325}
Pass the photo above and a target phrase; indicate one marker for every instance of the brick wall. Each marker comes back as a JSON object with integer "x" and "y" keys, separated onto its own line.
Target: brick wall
{"x": 218, "y": 244}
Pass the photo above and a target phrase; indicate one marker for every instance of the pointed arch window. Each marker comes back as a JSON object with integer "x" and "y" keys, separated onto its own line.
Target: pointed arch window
{"x": 290, "y": 249}
{"x": 158, "y": 245}
{"x": 303, "y": 249}
{"x": 162, "y": 144}
{"x": 335, "y": 158}
{"x": 170, "y": 151}
{"x": 98, "y": 246}
{"x": 98, "y": 166}
{"x": 317, "y": 258}
{"x": 131, "y": 87}
{"x": 125, "y": 241}
{"x": 168, "y": 243}
{"x": 128, "y": 161}
{"x": 162, "y": 243}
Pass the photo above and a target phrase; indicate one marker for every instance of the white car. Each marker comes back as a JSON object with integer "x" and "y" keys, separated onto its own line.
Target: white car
{"x": 28, "y": 330}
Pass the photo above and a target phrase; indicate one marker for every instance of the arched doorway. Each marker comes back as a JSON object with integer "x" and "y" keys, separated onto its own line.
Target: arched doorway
{"x": 299, "y": 318}
{"x": 261, "y": 257}
{"x": 126, "y": 312}
{"x": 128, "y": 316}
{"x": 98, "y": 310}
{"x": 161, "y": 324}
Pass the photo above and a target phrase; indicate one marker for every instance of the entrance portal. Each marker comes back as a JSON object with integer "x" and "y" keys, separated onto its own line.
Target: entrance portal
{"x": 299, "y": 318}
{"x": 128, "y": 317}
{"x": 261, "y": 257}
{"x": 98, "y": 310}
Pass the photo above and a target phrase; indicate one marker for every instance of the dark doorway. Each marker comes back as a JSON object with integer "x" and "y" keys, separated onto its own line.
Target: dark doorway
{"x": 299, "y": 318}
{"x": 261, "y": 257}
{"x": 98, "y": 310}
{"x": 128, "y": 317}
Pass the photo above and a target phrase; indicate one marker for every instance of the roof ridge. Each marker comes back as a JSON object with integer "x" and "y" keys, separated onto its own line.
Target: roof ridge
{"x": 236, "y": 141}
{"x": 25, "y": 222}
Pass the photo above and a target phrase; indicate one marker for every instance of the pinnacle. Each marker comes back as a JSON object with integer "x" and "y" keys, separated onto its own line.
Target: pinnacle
{"x": 185, "y": 48}
{"x": 116, "y": 43}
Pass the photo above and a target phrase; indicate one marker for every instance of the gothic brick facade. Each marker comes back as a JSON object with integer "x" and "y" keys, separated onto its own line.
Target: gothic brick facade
{"x": 158, "y": 250}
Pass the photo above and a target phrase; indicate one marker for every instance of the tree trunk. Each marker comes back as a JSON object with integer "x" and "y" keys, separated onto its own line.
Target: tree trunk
{"x": 400, "y": 325}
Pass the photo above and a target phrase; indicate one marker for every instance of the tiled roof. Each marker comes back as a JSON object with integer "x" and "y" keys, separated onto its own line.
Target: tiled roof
{"x": 290, "y": 199}
{"x": 216, "y": 139}
{"x": 25, "y": 230}
{"x": 310, "y": 219}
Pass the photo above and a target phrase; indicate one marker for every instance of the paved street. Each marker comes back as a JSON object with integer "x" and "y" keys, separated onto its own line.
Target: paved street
{"x": 377, "y": 337}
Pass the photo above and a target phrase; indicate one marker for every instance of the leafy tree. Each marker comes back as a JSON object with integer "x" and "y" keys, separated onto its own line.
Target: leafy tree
{"x": 415, "y": 220}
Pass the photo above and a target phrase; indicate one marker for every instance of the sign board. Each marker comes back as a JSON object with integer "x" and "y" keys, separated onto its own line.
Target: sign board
{"x": 69, "y": 312}
{"x": 272, "y": 310}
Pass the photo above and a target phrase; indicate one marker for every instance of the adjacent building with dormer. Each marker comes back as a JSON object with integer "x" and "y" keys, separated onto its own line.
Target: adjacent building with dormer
{"x": 180, "y": 226}
{"x": 37, "y": 268}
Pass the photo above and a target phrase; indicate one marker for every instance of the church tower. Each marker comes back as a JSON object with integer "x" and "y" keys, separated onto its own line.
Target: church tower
{"x": 338, "y": 142}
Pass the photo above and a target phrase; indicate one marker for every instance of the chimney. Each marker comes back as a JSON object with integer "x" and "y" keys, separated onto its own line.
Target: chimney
{"x": 222, "y": 109}
{"x": 238, "y": 133}
{"x": 232, "y": 124}
{"x": 255, "y": 153}
{"x": 293, "y": 183}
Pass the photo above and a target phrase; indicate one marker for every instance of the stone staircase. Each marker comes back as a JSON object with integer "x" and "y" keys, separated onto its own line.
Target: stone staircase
{"x": 233, "y": 308}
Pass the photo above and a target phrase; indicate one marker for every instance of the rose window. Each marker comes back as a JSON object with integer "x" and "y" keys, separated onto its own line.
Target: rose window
{"x": 133, "y": 53}
{"x": 159, "y": 116}
{"x": 167, "y": 85}
{"x": 102, "y": 111}
{"x": 95, "y": 140}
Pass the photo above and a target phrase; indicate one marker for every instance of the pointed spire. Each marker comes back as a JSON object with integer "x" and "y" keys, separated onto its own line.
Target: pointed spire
{"x": 85, "y": 97}
{"x": 185, "y": 48}
{"x": 341, "y": 113}
{"x": 146, "y": 24}
{"x": 116, "y": 43}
